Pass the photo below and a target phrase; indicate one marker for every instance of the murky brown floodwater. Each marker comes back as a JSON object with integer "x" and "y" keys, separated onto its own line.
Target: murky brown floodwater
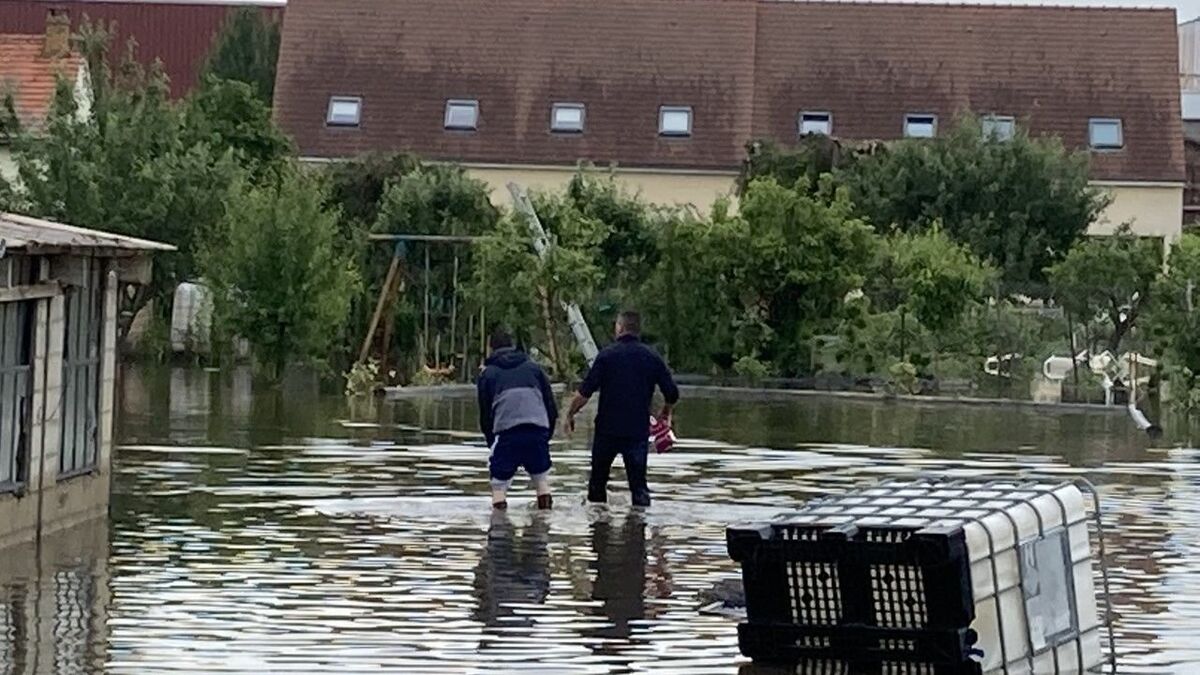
{"x": 277, "y": 530}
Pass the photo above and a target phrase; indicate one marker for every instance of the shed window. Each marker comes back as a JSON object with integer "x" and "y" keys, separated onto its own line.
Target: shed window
{"x": 920, "y": 126}
{"x": 1105, "y": 134}
{"x": 816, "y": 123}
{"x": 462, "y": 115}
{"x": 344, "y": 111}
{"x": 16, "y": 391}
{"x": 675, "y": 120}
{"x": 81, "y": 372}
{"x": 567, "y": 118}
{"x": 998, "y": 128}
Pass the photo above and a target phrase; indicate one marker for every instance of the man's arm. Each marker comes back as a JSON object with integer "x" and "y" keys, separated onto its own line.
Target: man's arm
{"x": 577, "y": 404}
{"x": 589, "y": 386}
{"x": 484, "y": 387}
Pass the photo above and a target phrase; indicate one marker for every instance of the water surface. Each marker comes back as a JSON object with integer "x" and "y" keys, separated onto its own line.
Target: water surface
{"x": 279, "y": 530}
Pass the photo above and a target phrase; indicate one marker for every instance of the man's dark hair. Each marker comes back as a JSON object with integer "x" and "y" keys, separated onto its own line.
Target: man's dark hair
{"x": 501, "y": 339}
{"x": 631, "y": 322}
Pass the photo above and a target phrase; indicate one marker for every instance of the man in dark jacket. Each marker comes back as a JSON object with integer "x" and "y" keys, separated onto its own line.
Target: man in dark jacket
{"x": 517, "y": 414}
{"x": 625, "y": 373}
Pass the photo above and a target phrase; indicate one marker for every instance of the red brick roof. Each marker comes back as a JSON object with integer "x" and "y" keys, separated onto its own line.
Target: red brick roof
{"x": 31, "y": 77}
{"x": 179, "y": 34}
{"x": 747, "y": 67}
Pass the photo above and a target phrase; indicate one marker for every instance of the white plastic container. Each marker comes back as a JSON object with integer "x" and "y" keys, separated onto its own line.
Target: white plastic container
{"x": 1022, "y": 549}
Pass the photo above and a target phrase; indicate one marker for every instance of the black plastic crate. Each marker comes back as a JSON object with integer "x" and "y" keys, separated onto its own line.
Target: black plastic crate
{"x": 866, "y": 596}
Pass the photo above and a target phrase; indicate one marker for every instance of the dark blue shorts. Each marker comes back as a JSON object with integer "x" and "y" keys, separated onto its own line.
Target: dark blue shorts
{"x": 526, "y": 447}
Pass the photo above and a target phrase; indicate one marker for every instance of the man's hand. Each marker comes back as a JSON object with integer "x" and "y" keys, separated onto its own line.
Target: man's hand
{"x": 577, "y": 404}
{"x": 569, "y": 424}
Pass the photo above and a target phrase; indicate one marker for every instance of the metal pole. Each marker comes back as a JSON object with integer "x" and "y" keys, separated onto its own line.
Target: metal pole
{"x": 541, "y": 244}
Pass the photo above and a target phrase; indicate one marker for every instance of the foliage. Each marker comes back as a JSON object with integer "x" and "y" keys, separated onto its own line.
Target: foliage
{"x": 357, "y": 186}
{"x": 246, "y": 50}
{"x": 1019, "y": 204}
{"x": 628, "y": 253}
{"x": 278, "y": 278}
{"x": 227, "y": 114}
{"x": 752, "y": 369}
{"x": 1174, "y": 319}
{"x": 688, "y": 298}
{"x": 128, "y": 171}
{"x": 813, "y": 156}
{"x": 929, "y": 276}
{"x": 794, "y": 258}
{"x": 1109, "y": 276}
{"x": 525, "y": 292}
{"x": 363, "y": 378}
{"x": 436, "y": 199}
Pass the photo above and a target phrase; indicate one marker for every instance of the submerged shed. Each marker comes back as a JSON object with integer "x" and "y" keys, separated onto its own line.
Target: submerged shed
{"x": 58, "y": 329}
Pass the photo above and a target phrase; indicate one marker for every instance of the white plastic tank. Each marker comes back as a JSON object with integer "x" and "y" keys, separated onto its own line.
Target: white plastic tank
{"x": 191, "y": 319}
{"x": 1021, "y": 551}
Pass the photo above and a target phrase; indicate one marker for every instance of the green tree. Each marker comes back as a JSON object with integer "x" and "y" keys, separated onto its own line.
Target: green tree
{"x": 277, "y": 275}
{"x": 227, "y": 114}
{"x": 813, "y": 156}
{"x": 930, "y": 277}
{"x": 795, "y": 256}
{"x": 689, "y": 299}
{"x": 525, "y": 292}
{"x": 1174, "y": 321}
{"x": 1020, "y": 204}
{"x": 127, "y": 171}
{"x": 246, "y": 50}
{"x": 1109, "y": 276}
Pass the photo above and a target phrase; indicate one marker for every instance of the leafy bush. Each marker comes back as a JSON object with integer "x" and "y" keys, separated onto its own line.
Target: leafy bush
{"x": 277, "y": 276}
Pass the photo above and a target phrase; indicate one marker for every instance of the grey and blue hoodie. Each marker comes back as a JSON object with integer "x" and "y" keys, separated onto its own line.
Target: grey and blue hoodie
{"x": 513, "y": 392}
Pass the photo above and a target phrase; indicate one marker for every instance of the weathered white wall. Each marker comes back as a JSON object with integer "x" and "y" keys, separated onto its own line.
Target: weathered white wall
{"x": 50, "y": 502}
{"x": 698, "y": 188}
{"x": 1153, "y": 210}
{"x": 8, "y": 169}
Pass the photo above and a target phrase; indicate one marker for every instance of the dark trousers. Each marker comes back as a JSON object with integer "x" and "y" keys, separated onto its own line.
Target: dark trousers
{"x": 633, "y": 452}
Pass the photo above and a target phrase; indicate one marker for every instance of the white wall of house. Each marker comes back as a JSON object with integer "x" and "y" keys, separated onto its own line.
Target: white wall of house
{"x": 8, "y": 168}
{"x": 1151, "y": 209}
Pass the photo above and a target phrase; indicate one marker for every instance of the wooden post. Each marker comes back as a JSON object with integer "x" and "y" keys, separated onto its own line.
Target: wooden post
{"x": 384, "y": 298}
{"x": 549, "y": 322}
{"x": 425, "y": 339}
{"x": 454, "y": 314}
{"x": 466, "y": 347}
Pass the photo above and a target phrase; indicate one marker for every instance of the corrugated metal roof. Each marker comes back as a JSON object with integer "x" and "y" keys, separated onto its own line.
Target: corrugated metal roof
{"x": 36, "y": 235}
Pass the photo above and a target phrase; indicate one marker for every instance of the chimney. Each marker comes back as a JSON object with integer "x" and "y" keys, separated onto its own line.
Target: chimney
{"x": 58, "y": 34}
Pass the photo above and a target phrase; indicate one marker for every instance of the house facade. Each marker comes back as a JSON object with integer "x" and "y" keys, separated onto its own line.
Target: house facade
{"x": 668, "y": 92}
{"x": 176, "y": 34}
{"x": 30, "y": 68}
{"x": 58, "y": 329}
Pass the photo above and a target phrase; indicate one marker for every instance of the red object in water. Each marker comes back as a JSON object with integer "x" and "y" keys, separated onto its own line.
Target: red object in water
{"x": 661, "y": 435}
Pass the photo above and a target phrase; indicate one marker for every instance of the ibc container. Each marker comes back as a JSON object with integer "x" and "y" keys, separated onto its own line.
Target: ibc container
{"x": 945, "y": 576}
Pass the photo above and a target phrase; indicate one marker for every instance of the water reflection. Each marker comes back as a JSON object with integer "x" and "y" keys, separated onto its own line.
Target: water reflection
{"x": 620, "y": 550}
{"x": 270, "y": 528}
{"x": 514, "y": 570}
{"x": 54, "y": 604}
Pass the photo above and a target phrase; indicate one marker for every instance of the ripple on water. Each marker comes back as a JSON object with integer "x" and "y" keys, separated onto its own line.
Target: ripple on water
{"x": 310, "y": 542}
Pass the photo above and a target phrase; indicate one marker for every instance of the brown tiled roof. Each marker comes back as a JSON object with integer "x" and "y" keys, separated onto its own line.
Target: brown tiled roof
{"x": 1050, "y": 67}
{"x": 30, "y": 77}
{"x": 623, "y": 58}
{"x": 747, "y": 67}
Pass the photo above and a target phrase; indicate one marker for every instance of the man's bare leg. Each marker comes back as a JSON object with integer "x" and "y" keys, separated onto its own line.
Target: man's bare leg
{"x": 541, "y": 483}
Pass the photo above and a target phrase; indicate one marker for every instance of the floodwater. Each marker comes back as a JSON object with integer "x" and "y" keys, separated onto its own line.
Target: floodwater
{"x": 278, "y": 530}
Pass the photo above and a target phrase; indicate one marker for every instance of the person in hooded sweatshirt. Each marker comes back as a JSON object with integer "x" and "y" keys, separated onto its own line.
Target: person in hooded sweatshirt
{"x": 517, "y": 414}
